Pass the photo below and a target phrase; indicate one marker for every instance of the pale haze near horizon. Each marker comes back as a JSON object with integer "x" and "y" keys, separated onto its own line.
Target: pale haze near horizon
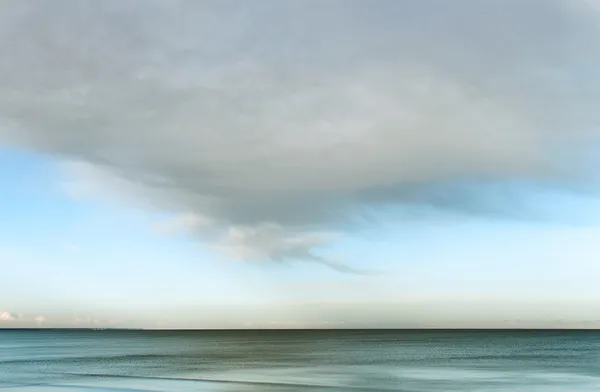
{"x": 301, "y": 164}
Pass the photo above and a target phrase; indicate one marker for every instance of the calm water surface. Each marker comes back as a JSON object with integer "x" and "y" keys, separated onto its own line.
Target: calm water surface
{"x": 408, "y": 361}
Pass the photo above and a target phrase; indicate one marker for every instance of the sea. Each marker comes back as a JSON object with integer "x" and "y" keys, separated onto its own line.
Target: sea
{"x": 292, "y": 360}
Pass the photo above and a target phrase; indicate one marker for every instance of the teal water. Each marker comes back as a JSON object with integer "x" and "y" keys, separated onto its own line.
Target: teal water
{"x": 407, "y": 361}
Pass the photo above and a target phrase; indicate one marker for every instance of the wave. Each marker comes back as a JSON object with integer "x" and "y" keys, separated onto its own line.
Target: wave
{"x": 235, "y": 382}
{"x": 75, "y": 387}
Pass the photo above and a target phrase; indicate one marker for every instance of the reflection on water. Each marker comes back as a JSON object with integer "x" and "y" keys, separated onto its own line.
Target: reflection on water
{"x": 565, "y": 361}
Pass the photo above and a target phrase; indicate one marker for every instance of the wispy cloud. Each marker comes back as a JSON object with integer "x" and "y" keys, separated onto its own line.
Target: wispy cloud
{"x": 268, "y": 126}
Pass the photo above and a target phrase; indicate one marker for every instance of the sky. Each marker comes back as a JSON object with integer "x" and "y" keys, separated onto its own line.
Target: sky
{"x": 300, "y": 164}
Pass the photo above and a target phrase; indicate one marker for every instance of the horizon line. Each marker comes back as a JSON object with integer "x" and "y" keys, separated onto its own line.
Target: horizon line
{"x": 424, "y": 329}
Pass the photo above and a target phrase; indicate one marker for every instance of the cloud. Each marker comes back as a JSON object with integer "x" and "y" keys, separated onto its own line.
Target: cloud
{"x": 263, "y": 128}
{"x": 7, "y": 316}
{"x": 183, "y": 223}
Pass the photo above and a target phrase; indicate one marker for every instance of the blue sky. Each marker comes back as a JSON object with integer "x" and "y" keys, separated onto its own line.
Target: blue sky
{"x": 80, "y": 262}
{"x": 308, "y": 164}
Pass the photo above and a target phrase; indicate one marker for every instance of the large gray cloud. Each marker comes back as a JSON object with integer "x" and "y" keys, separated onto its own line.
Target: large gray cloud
{"x": 270, "y": 122}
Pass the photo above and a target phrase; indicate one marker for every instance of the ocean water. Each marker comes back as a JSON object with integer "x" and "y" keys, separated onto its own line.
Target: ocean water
{"x": 408, "y": 361}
